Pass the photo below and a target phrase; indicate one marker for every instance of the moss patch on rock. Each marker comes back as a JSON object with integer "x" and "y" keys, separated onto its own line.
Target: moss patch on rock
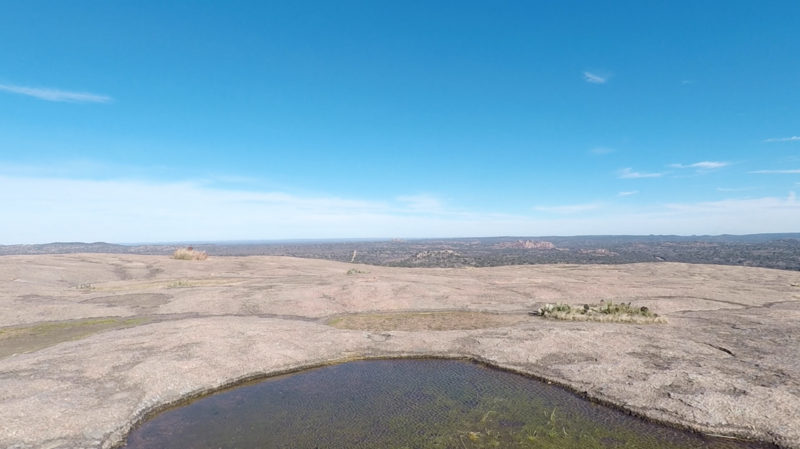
{"x": 29, "y": 338}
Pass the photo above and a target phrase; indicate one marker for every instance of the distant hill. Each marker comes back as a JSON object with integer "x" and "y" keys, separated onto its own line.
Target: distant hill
{"x": 780, "y": 251}
{"x": 80, "y": 247}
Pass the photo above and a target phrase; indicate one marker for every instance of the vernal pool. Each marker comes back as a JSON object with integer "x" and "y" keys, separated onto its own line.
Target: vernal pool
{"x": 406, "y": 403}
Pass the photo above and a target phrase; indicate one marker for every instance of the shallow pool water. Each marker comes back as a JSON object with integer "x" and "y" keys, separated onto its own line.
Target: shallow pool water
{"x": 406, "y": 403}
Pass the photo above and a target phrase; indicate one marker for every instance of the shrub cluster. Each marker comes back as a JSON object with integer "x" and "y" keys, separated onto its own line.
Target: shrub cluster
{"x": 605, "y": 311}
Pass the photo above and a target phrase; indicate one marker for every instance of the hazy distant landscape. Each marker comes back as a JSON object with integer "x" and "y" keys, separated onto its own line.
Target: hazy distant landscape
{"x": 779, "y": 251}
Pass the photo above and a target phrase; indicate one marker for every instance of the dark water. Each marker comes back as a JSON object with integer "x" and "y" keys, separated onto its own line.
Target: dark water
{"x": 406, "y": 403}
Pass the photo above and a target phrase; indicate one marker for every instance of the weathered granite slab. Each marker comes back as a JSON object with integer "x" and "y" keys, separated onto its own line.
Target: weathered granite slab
{"x": 727, "y": 362}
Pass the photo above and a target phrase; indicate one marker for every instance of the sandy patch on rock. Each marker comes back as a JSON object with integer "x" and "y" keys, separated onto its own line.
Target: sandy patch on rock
{"x": 426, "y": 321}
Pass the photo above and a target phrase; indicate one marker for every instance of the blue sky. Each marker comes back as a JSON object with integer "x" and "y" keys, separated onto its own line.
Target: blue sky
{"x": 175, "y": 121}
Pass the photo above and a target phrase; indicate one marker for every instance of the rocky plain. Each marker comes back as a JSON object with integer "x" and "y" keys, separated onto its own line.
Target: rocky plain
{"x": 92, "y": 344}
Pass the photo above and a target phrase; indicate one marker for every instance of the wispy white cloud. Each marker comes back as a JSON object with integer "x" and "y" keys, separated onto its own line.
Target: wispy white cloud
{"x": 784, "y": 139}
{"x": 568, "y": 209}
{"x": 595, "y": 78}
{"x": 776, "y": 171}
{"x": 421, "y": 203}
{"x": 628, "y": 173}
{"x": 739, "y": 189}
{"x": 56, "y": 95}
{"x": 231, "y": 179}
{"x": 602, "y": 150}
{"x": 744, "y": 206}
{"x": 628, "y": 193}
{"x": 706, "y": 165}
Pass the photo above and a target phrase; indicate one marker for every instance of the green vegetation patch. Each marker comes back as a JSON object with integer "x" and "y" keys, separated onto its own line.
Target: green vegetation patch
{"x": 604, "y": 312}
{"x": 31, "y": 338}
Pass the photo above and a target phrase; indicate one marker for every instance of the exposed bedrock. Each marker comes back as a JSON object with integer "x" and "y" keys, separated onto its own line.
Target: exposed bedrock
{"x": 726, "y": 362}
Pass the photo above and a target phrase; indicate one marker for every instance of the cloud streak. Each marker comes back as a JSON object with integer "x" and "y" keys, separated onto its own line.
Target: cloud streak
{"x": 739, "y": 189}
{"x": 776, "y": 171}
{"x": 706, "y": 165}
{"x": 568, "y": 209}
{"x": 628, "y": 173}
{"x": 595, "y": 78}
{"x": 743, "y": 206}
{"x": 421, "y": 203}
{"x": 784, "y": 139}
{"x": 628, "y": 193}
{"x": 56, "y": 95}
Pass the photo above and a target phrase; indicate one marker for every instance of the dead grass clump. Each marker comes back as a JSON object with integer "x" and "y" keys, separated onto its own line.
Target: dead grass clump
{"x": 603, "y": 312}
{"x": 189, "y": 254}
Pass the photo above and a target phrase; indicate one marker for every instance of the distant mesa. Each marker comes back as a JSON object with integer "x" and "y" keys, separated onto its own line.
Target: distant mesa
{"x": 525, "y": 244}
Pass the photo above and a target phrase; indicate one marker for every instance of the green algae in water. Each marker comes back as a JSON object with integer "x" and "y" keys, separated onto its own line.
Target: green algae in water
{"x": 407, "y": 403}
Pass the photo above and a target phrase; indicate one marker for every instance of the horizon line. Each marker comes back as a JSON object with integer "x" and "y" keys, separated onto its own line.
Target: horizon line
{"x": 389, "y": 239}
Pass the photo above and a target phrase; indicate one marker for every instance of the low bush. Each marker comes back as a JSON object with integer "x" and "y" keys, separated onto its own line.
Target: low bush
{"x": 605, "y": 311}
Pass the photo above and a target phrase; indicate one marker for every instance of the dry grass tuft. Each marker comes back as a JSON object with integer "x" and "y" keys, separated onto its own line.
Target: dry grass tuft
{"x": 607, "y": 312}
{"x": 189, "y": 254}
